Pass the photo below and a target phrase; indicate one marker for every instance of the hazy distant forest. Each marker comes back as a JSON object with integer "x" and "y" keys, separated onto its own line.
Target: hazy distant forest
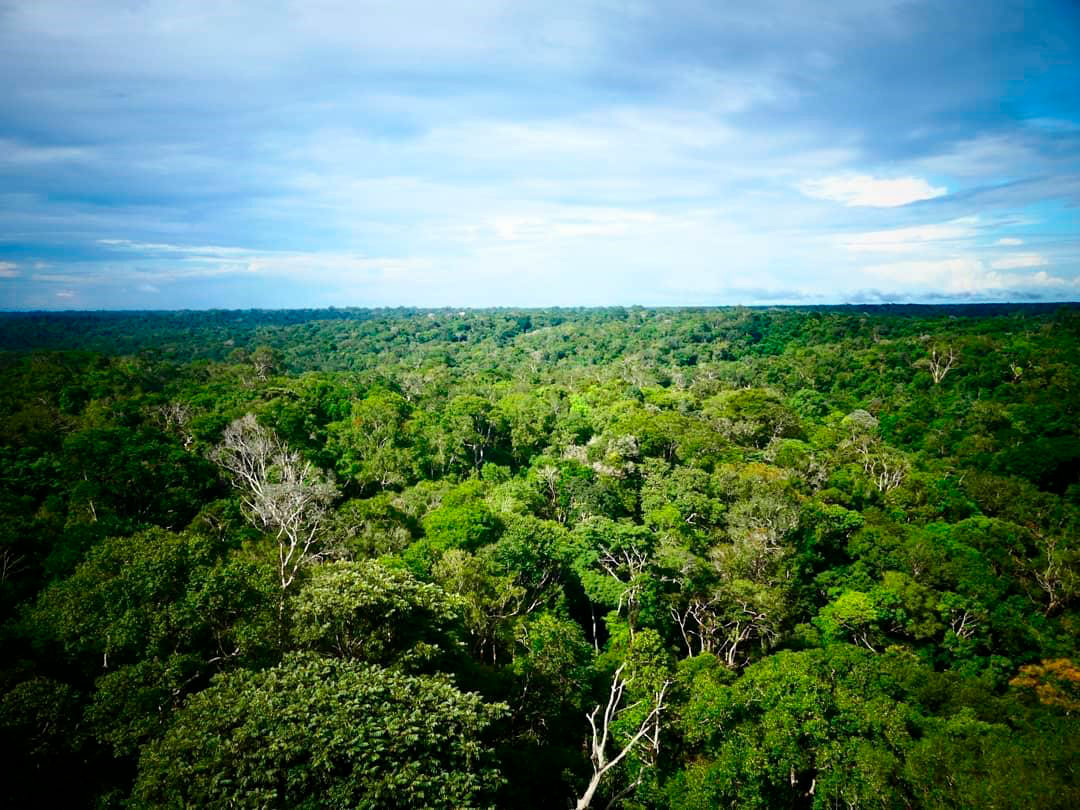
{"x": 628, "y": 558}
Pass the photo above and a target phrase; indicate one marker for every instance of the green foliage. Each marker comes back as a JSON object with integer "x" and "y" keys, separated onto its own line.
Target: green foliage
{"x": 150, "y": 594}
{"x": 371, "y": 447}
{"x": 820, "y": 728}
{"x": 853, "y": 616}
{"x": 40, "y": 717}
{"x": 317, "y": 732}
{"x": 460, "y": 523}
{"x": 154, "y": 615}
{"x": 367, "y": 612}
{"x": 853, "y": 573}
{"x": 43, "y": 713}
{"x": 130, "y": 478}
{"x": 963, "y": 761}
{"x": 370, "y": 527}
{"x": 752, "y": 416}
{"x": 552, "y": 666}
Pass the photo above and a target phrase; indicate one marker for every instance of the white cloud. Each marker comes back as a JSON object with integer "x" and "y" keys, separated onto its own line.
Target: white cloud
{"x": 1019, "y": 260}
{"x": 14, "y": 153}
{"x": 8, "y": 270}
{"x": 1044, "y": 279}
{"x": 876, "y": 192}
{"x": 323, "y": 267}
{"x": 570, "y": 223}
{"x": 907, "y": 240}
{"x": 162, "y": 247}
{"x": 59, "y": 278}
{"x": 960, "y": 275}
{"x": 947, "y": 275}
{"x": 982, "y": 157}
{"x": 1009, "y": 241}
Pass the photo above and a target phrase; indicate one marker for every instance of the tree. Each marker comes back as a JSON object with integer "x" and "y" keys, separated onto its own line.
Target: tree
{"x": 1056, "y": 683}
{"x": 123, "y": 478}
{"x": 822, "y": 728}
{"x": 1057, "y": 570}
{"x": 265, "y": 360}
{"x": 46, "y": 762}
{"x": 680, "y": 502}
{"x": 368, "y": 612}
{"x": 614, "y": 564}
{"x": 281, "y": 492}
{"x": 473, "y": 427}
{"x": 885, "y": 467}
{"x": 529, "y": 420}
{"x": 750, "y": 600}
{"x": 152, "y": 616}
{"x": 493, "y": 601}
{"x": 538, "y": 554}
{"x": 371, "y": 444}
{"x": 552, "y": 664}
{"x": 461, "y": 521}
{"x": 752, "y": 416}
{"x": 852, "y": 616}
{"x": 1009, "y": 762}
{"x": 319, "y": 732}
{"x": 602, "y": 726}
{"x": 940, "y": 362}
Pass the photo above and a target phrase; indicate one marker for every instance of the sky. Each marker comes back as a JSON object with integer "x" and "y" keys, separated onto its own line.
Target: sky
{"x": 168, "y": 155}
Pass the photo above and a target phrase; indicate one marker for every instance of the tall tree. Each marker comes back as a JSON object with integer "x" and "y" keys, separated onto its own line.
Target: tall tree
{"x": 282, "y": 493}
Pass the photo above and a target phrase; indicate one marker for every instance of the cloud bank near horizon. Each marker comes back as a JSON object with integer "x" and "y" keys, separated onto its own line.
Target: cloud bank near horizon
{"x": 169, "y": 155}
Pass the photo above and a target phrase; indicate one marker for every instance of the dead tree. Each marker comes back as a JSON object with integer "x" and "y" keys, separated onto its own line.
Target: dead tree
{"x": 886, "y": 470}
{"x": 941, "y": 362}
{"x": 627, "y": 567}
{"x": 11, "y": 564}
{"x": 647, "y": 733}
{"x": 280, "y": 491}
{"x": 175, "y": 417}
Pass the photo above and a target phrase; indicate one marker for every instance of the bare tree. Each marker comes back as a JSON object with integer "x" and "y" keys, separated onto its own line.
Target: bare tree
{"x": 887, "y": 470}
{"x": 647, "y": 733}
{"x": 627, "y": 566}
{"x": 11, "y": 564}
{"x": 940, "y": 362}
{"x": 549, "y": 475}
{"x": 885, "y": 467}
{"x": 175, "y": 417}
{"x": 1057, "y": 576}
{"x": 963, "y": 623}
{"x": 281, "y": 492}
{"x": 265, "y": 361}
{"x": 698, "y": 622}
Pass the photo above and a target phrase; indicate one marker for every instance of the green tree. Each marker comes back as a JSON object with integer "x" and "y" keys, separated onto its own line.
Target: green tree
{"x": 368, "y": 612}
{"x": 318, "y": 732}
{"x": 371, "y": 446}
{"x": 152, "y": 616}
{"x": 819, "y": 728}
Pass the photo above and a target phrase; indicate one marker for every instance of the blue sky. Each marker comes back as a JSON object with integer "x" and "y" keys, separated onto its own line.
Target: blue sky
{"x": 282, "y": 154}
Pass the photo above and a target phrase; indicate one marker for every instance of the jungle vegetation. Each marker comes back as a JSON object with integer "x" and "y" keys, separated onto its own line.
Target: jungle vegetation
{"x": 637, "y": 558}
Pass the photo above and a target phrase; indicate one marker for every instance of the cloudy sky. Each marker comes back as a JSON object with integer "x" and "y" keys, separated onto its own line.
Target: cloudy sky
{"x": 190, "y": 154}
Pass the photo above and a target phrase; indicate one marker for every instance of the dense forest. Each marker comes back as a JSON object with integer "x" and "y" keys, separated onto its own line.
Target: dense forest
{"x": 636, "y": 558}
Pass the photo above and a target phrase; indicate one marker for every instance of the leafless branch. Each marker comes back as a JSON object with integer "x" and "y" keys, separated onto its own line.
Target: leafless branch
{"x": 281, "y": 492}
{"x": 648, "y": 731}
